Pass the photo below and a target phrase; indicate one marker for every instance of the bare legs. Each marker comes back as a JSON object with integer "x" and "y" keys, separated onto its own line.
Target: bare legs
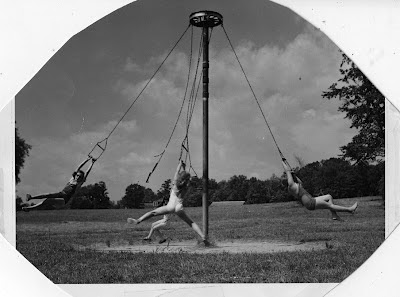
{"x": 166, "y": 210}
{"x": 155, "y": 229}
{"x": 47, "y": 196}
{"x": 156, "y": 212}
{"x": 192, "y": 224}
{"x": 49, "y": 203}
{"x": 326, "y": 202}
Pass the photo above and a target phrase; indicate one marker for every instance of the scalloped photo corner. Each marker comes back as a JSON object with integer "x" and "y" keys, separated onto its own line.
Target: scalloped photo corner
{"x": 185, "y": 143}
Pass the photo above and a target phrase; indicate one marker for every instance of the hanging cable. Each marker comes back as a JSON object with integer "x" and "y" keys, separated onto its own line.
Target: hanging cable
{"x": 191, "y": 105}
{"x": 190, "y": 110}
{"x": 254, "y": 95}
{"x": 177, "y": 120}
{"x": 103, "y": 143}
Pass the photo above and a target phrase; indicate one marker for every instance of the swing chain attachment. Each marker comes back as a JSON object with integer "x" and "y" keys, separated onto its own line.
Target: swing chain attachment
{"x": 183, "y": 147}
{"x": 102, "y": 145}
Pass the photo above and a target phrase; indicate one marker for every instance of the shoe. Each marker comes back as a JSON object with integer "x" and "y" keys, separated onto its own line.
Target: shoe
{"x": 28, "y": 197}
{"x": 132, "y": 221}
{"x": 337, "y": 219}
{"x": 162, "y": 240}
{"x": 147, "y": 239}
{"x": 355, "y": 207}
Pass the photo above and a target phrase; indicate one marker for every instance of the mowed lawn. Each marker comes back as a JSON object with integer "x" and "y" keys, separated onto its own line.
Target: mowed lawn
{"x": 48, "y": 240}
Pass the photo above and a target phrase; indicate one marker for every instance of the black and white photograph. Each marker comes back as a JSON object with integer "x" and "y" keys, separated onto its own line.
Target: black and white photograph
{"x": 212, "y": 142}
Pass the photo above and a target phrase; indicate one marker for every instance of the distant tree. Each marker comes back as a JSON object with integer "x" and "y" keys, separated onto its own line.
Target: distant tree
{"x": 80, "y": 202}
{"x": 364, "y": 105}
{"x": 165, "y": 190}
{"x": 149, "y": 195}
{"x": 339, "y": 178}
{"x": 257, "y": 192}
{"x": 277, "y": 190}
{"x": 119, "y": 204}
{"x": 311, "y": 177}
{"x": 212, "y": 188}
{"x": 101, "y": 199}
{"x": 134, "y": 196}
{"x": 221, "y": 193}
{"x": 193, "y": 195}
{"x": 92, "y": 196}
{"x": 374, "y": 178}
{"x": 238, "y": 187}
{"x": 113, "y": 204}
{"x": 21, "y": 152}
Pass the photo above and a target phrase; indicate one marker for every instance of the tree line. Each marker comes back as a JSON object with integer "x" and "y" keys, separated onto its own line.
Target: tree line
{"x": 333, "y": 176}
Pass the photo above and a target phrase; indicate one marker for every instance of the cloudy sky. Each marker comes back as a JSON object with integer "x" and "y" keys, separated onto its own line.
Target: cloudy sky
{"x": 77, "y": 98}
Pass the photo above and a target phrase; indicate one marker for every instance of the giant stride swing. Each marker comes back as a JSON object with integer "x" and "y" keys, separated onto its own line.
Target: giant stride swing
{"x": 206, "y": 20}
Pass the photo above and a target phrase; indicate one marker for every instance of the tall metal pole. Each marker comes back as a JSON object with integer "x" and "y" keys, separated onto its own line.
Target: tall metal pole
{"x": 205, "y": 19}
{"x": 205, "y": 130}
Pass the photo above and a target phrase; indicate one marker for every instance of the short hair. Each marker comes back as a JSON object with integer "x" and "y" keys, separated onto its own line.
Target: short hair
{"x": 182, "y": 179}
{"x": 79, "y": 171}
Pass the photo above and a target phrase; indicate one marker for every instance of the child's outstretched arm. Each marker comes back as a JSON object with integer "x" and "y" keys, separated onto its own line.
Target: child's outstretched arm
{"x": 83, "y": 163}
{"x": 178, "y": 169}
{"x": 90, "y": 168}
{"x": 288, "y": 172}
{"x": 299, "y": 180}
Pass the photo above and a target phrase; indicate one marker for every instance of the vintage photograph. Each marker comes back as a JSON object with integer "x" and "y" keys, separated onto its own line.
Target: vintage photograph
{"x": 199, "y": 142}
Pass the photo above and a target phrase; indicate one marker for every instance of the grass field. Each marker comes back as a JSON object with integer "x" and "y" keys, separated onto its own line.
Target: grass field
{"x": 47, "y": 239}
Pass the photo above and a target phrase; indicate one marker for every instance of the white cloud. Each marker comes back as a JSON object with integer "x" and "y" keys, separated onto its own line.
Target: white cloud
{"x": 134, "y": 159}
{"x": 310, "y": 113}
{"x": 131, "y": 66}
{"x": 320, "y": 136}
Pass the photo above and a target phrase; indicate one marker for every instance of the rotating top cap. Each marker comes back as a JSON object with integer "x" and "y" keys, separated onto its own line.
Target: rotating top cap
{"x": 205, "y": 18}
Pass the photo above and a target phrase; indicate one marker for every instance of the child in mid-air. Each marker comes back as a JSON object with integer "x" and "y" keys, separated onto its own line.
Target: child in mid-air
{"x": 175, "y": 203}
{"x": 78, "y": 178}
{"x": 296, "y": 189}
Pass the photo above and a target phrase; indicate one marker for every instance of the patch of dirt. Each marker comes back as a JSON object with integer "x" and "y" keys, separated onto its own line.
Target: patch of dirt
{"x": 218, "y": 247}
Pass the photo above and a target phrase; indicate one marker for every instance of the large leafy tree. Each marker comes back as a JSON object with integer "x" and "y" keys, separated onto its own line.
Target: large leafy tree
{"x": 257, "y": 192}
{"x": 134, "y": 196}
{"x": 364, "y": 105}
{"x": 149, "y": 195}
{"x": 194, "y": 195}
{"x": 221, "y": 192}
{"x": 238, "y": 186}
{"x": 21, "y": 151}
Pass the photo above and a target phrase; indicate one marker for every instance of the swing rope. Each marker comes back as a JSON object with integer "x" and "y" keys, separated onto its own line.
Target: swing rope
{"x": 189, "y": 114}
{"x": 179, "y": 114}
{"x": 103, "y": 143}
{"x": 183, "y": 147}
{"x": 255, "y": 97}
{"x": 190, "y": 110}
{"x": 191, "y": 105}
